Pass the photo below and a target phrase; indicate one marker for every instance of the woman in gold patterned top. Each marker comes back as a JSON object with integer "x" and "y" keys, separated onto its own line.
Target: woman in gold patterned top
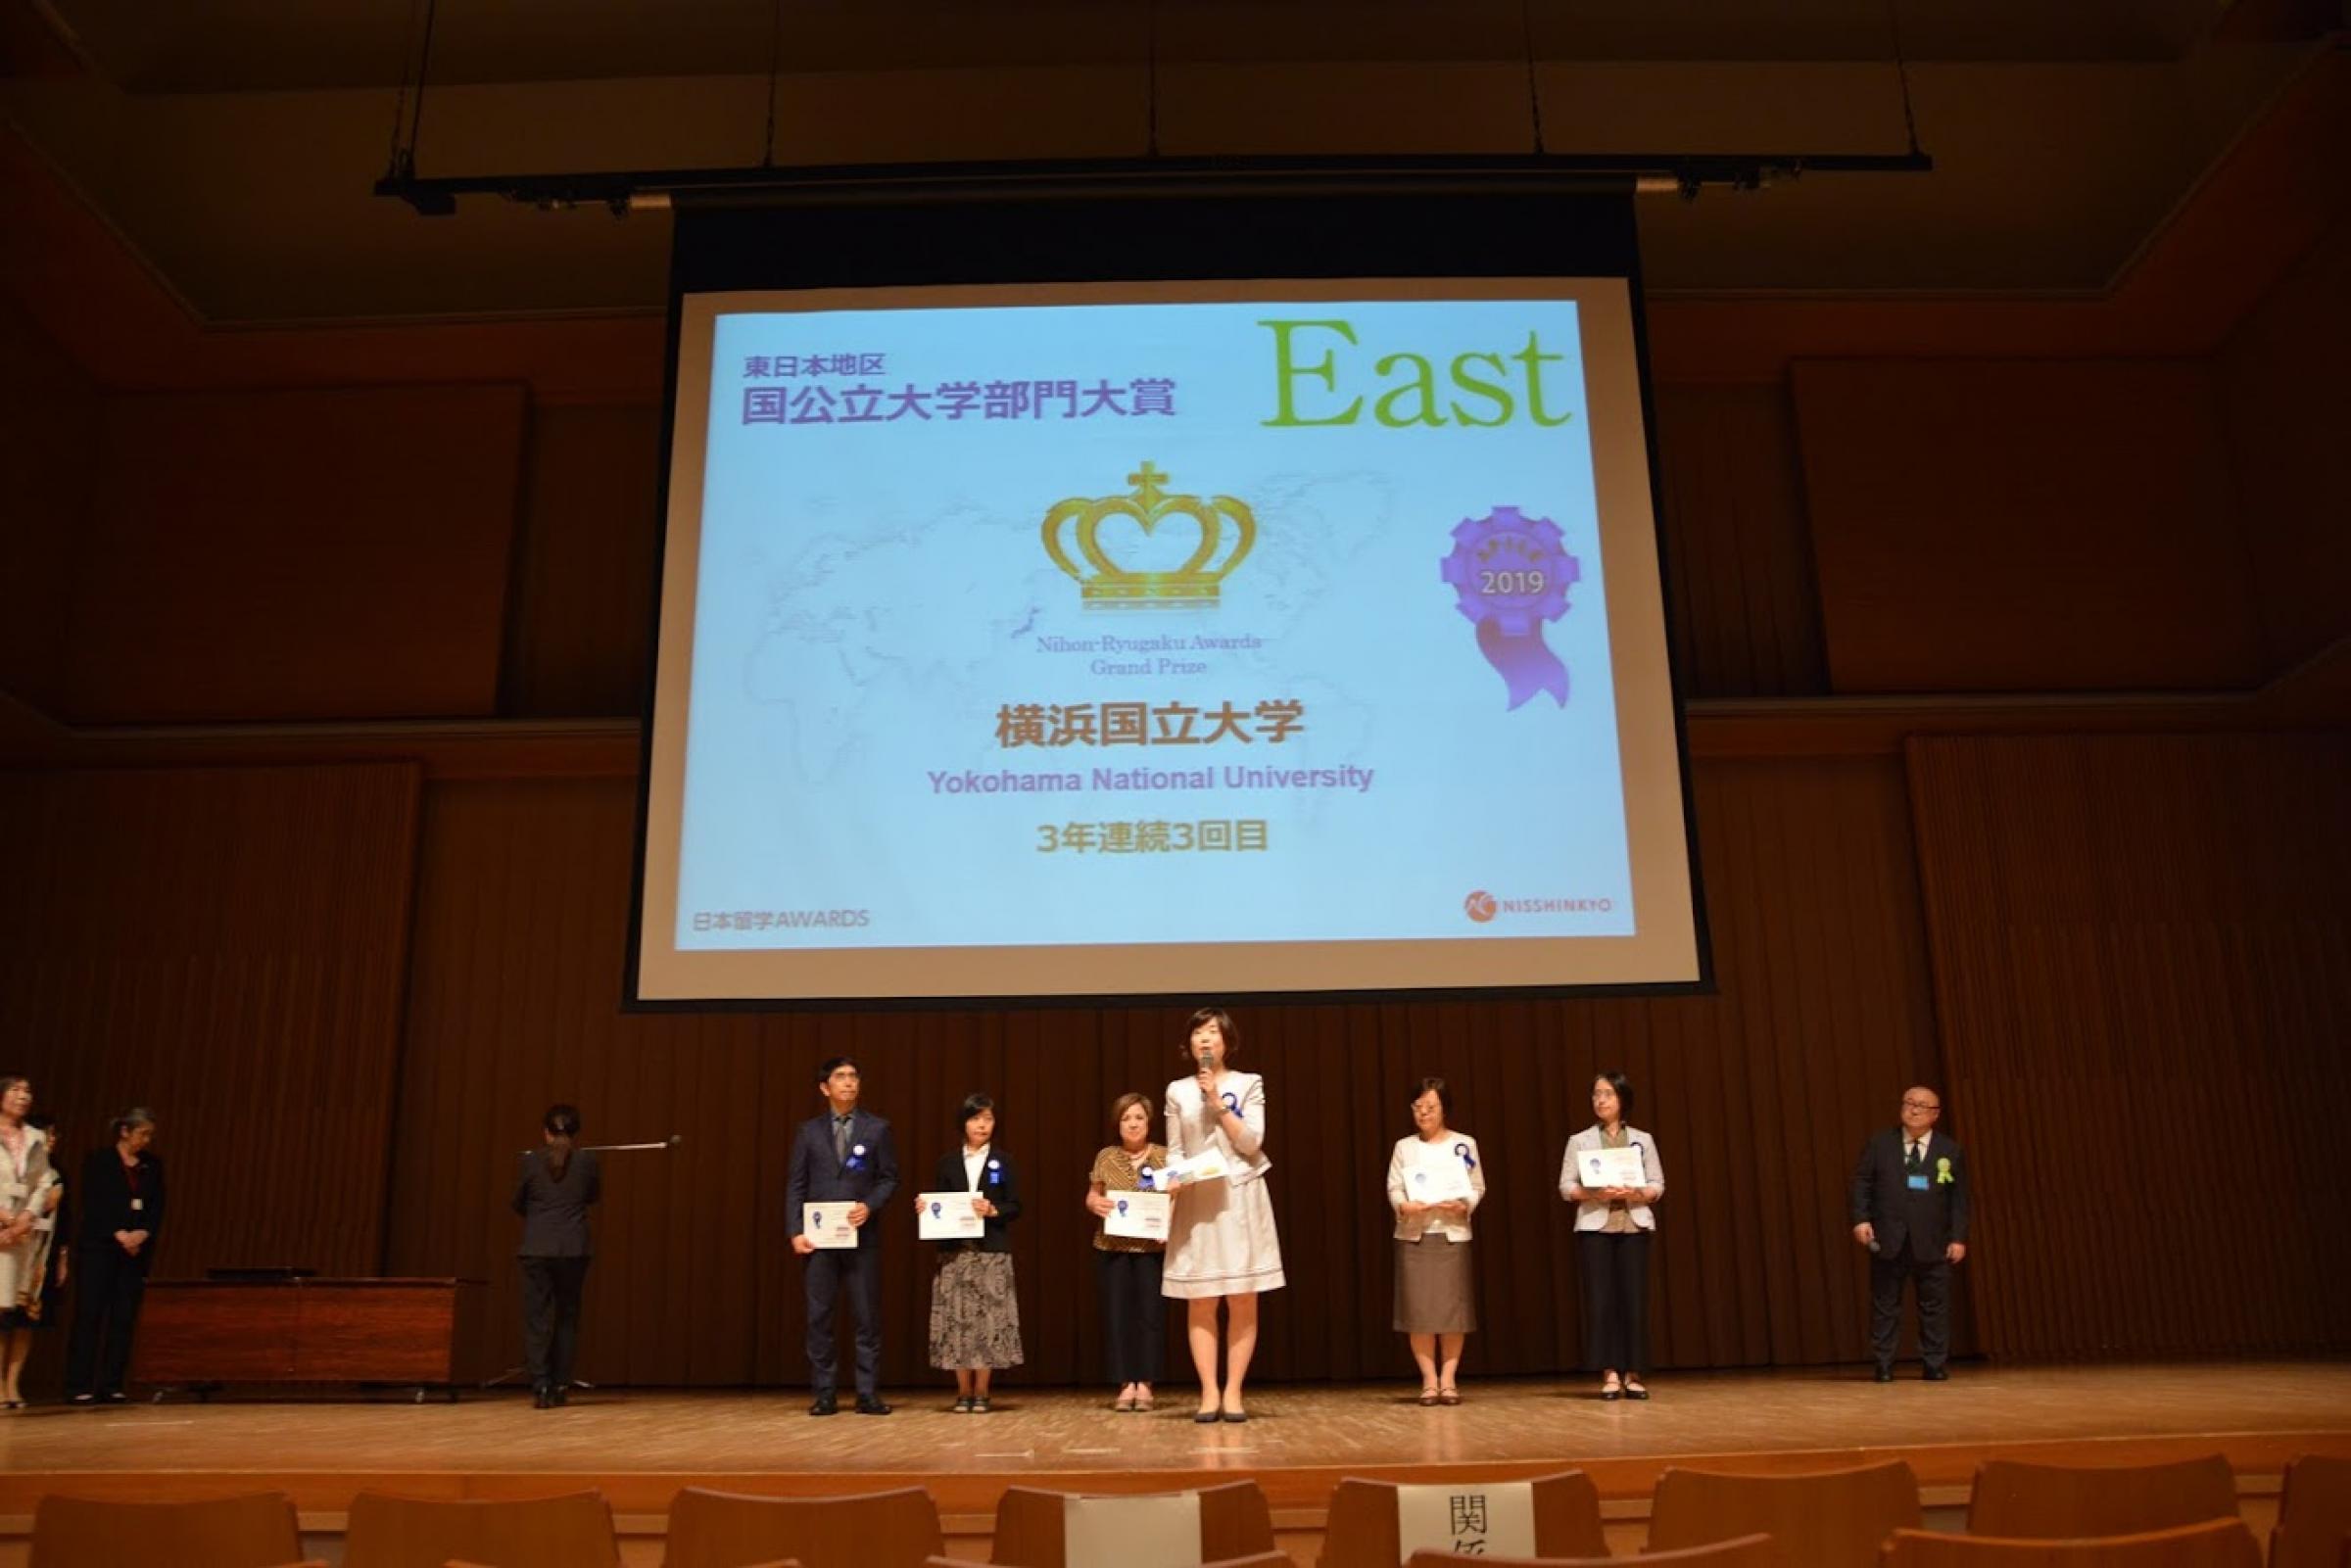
{"x": 1134, "y": 1320}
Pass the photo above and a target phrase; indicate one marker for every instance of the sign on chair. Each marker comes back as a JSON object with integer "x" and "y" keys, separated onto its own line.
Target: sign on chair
{"x": 1494, "y": 1520}
{"x": 1161, "y": 1531}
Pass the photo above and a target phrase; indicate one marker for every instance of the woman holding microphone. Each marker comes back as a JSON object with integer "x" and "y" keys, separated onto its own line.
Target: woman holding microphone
{"x": 1435, "y": 1183}
{"x": 1222, "y": 1246}
{"x": 1613, "y": 1225}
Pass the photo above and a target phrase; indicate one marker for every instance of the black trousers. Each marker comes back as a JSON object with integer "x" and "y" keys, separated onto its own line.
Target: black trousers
{"x": 857, "y": 1271}
{"x": 108, "y": 1286}
{"x": 551, "y": 1317}
{"x": 1615, "y": 1265}
{"x": 1932, "y": 1280}
{"x": 1135, "y": 1315}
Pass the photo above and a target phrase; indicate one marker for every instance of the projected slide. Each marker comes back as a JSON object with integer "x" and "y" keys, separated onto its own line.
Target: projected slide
{"x": 1269, "y": 638}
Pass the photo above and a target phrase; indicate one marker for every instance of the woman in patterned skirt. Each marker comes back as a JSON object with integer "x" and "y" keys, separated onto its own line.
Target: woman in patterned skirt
{"x": 1222, "y": 1246}
{"x": 975, "y": 1317}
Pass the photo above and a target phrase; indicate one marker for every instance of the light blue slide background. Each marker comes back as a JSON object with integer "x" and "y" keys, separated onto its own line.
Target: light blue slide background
{"x": 869, "y": 595}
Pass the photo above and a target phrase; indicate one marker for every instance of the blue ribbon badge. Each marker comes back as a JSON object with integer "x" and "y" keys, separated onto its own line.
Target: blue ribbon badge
{"x": 1142, "y": 1177}
{"x": 1468, "y": 1159}
{"x": 995, "y": 1173}
{"x": 1233, "y": 1102}
{"x": 816, "y": 1218}
{"x": 856, "y": 1157}
{"x": 935, "y": 1207}
{"x": 1121, "y": 1209}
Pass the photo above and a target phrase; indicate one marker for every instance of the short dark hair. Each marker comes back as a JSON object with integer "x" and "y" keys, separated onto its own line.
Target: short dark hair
{"x": 138, "y": 1115}
{"x": 1126, "y": 1102}
{"x": 1225, "y": 1027}
{"x": 12, "y": 1080}
{"x": 1435, "y": 1086}
{"x": 973, "y": 1104}
{"x": 833, "y": 1064}
{"x": 1615, "y": 1079}
{"x": 563, "y": 1121}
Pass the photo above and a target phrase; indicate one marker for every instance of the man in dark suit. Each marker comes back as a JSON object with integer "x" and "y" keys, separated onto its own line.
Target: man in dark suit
{"x": 1909, "y": 1209}
{"x": 844, "y": 1156}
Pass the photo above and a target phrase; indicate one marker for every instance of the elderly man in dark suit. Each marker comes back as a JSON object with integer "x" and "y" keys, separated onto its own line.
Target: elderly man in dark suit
{"x": 844, "y": 1156}
{"x": 1909, "y": 1209}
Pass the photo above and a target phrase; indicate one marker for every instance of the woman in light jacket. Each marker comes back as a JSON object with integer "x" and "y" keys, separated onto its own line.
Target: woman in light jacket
{"x": 1434, "y": 1300}
{"x": 1612, "y": 1230}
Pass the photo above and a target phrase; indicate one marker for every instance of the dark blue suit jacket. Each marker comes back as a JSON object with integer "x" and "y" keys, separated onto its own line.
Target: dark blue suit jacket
{"x": 818, "y": 1176}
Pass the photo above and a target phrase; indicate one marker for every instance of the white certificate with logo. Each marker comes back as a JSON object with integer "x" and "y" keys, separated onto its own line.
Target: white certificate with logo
{"x": 1206, "y": 1165}
{"x": 1612, "y": 1168}
{"x": 1443, "y": 1180}
{"x": 826, "y": 1224}
{"x": 1142, "y": 1215}
{"x": 951, "y": 1217}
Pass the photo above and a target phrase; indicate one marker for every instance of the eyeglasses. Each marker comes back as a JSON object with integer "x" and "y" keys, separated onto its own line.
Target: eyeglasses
{"x": 1920, "y": 1104}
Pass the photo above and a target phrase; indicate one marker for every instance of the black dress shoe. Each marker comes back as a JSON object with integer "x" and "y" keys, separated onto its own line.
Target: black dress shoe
{"x": 873, "y": 1405}
{"x": 562, "y": 1395}
{"x": 541, "y": 1398}
{"x": 1883, "y": 1374}
{"x": 826, "y": 1404}
{"x": 1936, "y": 1374}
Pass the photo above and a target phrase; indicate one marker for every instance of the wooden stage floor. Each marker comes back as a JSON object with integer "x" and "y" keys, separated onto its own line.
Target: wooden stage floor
{"x": 640, "y": 1446}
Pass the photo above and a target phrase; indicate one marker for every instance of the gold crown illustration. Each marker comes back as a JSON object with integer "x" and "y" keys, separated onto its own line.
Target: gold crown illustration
{"x": 1111, "y": 585}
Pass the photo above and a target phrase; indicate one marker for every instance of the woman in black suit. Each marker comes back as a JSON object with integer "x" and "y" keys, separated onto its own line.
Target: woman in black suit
{"x": 553, "y": 1191}
{"x": 122, "y": 1199}
{"x": 975, "y": 1317}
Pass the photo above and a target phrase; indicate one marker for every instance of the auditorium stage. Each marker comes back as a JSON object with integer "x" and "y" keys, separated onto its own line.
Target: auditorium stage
{"x": 639, "y": 1447}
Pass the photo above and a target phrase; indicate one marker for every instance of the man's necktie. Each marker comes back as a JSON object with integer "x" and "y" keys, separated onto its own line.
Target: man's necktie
{"x": 840, "y": 1139}
{"x": 1918, "y": 1159}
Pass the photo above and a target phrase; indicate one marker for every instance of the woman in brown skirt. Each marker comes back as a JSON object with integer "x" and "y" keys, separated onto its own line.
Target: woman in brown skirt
{"x": 1435, "y": 1180}
{"x": 975, "y": 1317}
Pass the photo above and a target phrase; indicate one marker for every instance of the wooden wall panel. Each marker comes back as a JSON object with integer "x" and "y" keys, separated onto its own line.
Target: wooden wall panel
{"x": 583, "y": 594}
{"x": 229, "y": 948}
{"x": 2142, "y": 966}
{"x": 48, "y": 431}
{"x": 1737, "y": 550}
{"x": 1760, "y": 1098}
{"x": 2287, "y": 405}
{"x": 295, "y": 555}
{"x": 2025, "y": 527}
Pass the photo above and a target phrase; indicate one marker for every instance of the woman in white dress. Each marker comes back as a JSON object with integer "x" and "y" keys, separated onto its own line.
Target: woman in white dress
{"x": 1222, "y": 1246}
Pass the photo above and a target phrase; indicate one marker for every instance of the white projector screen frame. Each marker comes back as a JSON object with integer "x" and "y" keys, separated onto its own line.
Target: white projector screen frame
{"x": 1665, "y": 949}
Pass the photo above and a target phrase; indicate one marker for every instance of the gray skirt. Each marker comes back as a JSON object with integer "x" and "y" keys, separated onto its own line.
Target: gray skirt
{"x": 1434, "y": 1292}
{"x": 975, "y": 1317}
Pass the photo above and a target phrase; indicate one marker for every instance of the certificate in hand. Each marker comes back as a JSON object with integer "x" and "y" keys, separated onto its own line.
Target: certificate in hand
{"x": 1140, "y": 1215}
{"x": 951, "y": 1217}
{"x": 1206, "y": 1165}
{"x": 1612, "y": 1168}
{"x": 827, "y": 1225}
{"x": 1438, "y": 1181}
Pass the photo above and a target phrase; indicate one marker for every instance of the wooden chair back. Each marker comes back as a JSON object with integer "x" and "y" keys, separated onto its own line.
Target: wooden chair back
{"x": 1747, "y": 1551}
{"x": 2020, "y": 1502}
{"x": 253, "y": 1531}
{"x": 2214, "y": 1543}
{"x": 1263, "y": 1559}
{"x": 1826, "y": 1519}
{"x": 871, "y": 1530}
{"x": 2313, "y": 1516}
{"x": 571, "y": 1531}
{"x": 1235, "y": 1523}
{"x": 1361, "y": 1529}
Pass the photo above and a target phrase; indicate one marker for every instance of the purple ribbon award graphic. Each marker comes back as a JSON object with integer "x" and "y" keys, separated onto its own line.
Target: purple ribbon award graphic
{"x": 1512, "y": 573}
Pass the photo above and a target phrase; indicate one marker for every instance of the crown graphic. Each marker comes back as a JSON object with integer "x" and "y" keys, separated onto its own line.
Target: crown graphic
{"x": 1109, "y": 584}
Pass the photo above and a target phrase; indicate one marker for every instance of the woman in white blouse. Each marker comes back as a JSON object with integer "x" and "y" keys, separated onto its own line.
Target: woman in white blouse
{"x": 1613, "y": 1225}
{"x": 1222, "y": 1245}
{"x": 1435, "y": 1182}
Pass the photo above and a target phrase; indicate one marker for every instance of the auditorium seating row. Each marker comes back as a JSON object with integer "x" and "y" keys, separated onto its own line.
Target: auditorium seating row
{"x": 2182, "y": 1515}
